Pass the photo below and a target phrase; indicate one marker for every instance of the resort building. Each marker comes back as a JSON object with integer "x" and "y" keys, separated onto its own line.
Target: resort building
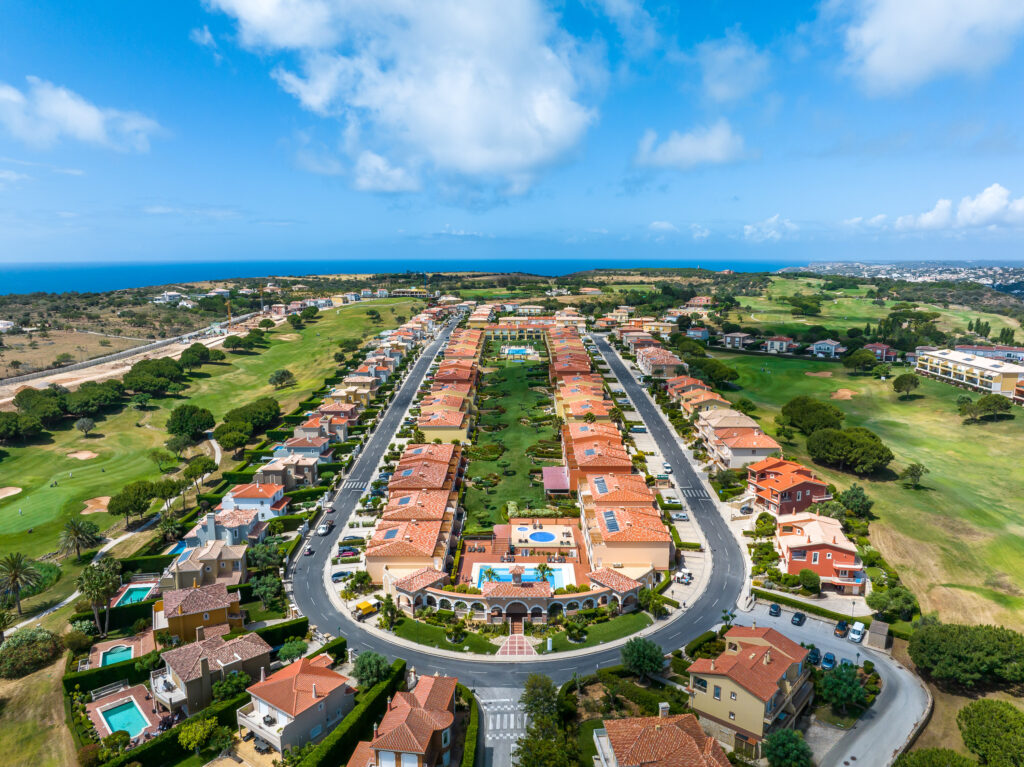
{"x": 999, "y": 352}
{"x": 760, "y": 682}
{"x": 659, "y": 363}
{"x": 267, "y": 500}
{"x": 185, "y": 682}
{"x": 701, "y": 400}
{"x": 737, "y": 340}
{"x": 444, "y": 424}
{"x": 213, "y": 562}
{"x": 679, "y": 385}
{"x": 733, "y": 439}
{"x": 882, "y": 352}
{"x": 815, "y": 542}
{"x": 784, "y": 487}
{"x": 984, "y": 374}
{"x": 404, "y": 547}
{"x": 657, "y": 741}
{"x": 698, "y": 334}
{"x": 779, "y": 344}
{"x": 297, "y": 705}
{"x": 417, "y": 728}
{"x": 291, "y": 471}
{"x": 827, "y": 348}
{"x": 180, "y": 612}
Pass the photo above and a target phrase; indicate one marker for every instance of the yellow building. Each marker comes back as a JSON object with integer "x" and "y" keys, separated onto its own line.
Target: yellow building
{"x": 984, "y": 374}
{"x": 760, "y": 683}
{"x": 182, "y": 611}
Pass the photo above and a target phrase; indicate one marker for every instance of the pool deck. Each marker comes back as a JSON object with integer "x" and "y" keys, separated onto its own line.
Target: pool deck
{"x": 138, "y": 584}
{"x": 140, "y": 695}
{"x": 140, "y": 643}
{"x": 506, "y": 534}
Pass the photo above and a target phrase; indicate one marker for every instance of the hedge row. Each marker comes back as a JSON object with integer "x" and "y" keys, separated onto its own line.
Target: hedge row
{"x": 279, "y": 434}
{"x": 121, "y": 617}
{"x": 244, "y": 591}
{"x": 690, "y": 545}
{"x": 154, "y": 563}
{"x": 699, "y": 642}
{"x": 340, "y": 742}
{"x": 337, "y": 648}
{"x": 239, "y": 476}
{"x": 308, "y": 493}
{"x": 276, "y": 634}
{"x": 95, "y": 678}
{"x": 291, "y": 522}
{"x": 772, "y": 596}
{"x": 472, "y": 728}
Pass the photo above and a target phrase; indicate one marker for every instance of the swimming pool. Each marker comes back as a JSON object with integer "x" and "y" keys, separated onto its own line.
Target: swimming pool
{"x": 134, "y": 594}
{"x": 537, "y": 536}
{"x": 116, "y": 654}
{"x": 177, "y": 548}
{"x": 560, "y": 575}
{"x": 125, "y": 716}
{"x": 518, "y": 351}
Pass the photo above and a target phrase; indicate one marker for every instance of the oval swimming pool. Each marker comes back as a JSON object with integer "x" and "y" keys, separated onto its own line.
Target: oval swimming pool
{"x": 542, "y": 536}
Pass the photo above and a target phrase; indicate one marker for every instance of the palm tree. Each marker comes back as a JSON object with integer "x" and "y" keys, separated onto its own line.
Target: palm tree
{"x": 544, "y": 571}
{"x": 728, "y": 616}
{"x": 78, "y": 534}
{"x": 17, "y": 572}
{"x": 170, "y": 528}
{"x": 6, "y": 621}
{"x": 98, "y": 583}
{"x": 490, "y": 574}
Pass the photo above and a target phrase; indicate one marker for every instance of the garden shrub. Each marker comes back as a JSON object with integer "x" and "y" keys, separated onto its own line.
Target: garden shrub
{"x": 28, "y": 650}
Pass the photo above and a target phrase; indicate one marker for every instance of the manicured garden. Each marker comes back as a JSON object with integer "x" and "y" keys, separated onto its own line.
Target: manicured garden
{"x": 434, "y": 636}
{"x": 599, "y": 633}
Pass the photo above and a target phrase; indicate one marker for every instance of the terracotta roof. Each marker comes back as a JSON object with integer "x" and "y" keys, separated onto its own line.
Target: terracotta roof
{"x": 614, "y": 580}
{"x": 428, "y": 452}
{"x": 657, "y": 356}
{"x": 292, "y": 688}
{"x": 426, "y": 576}
{"x": 211, "y": 551}
{"x": 198, "y": 599}
{"x": 757, "y": 666}
{"x": 252, "y": 491}
{"x": 748, "y": 439}
{"x": 619, "y": 488}
{"x": 813, "y": 530}
{"x": 416, "y": 504}
{"x": 412, "y": 718}
{"x": 580, "y": 432}
{"x": 411, "y": 475}
{"x": 582, "y": 407}
{"x": 317, "y": 442}
{"x": 629, "y": 526}
{"x": 362, "y": 756}
{"x": 186, "y": 661}
{"x": 671, "y": 741}
{"x": 601, "y": 454}
{"x": 404, "y": 539}
{"x": 725, "y": 417}
{"x": 442, "y": 419}
{"x": 526, "y": 589}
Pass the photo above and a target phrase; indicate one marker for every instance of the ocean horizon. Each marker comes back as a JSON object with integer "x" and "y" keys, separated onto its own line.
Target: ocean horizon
{"x": 101, "y": 277}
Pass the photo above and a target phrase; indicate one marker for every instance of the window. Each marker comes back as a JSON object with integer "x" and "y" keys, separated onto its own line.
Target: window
{"x": 700, "y": 684}
{"x": 718, "y": 692}
{"x": 732, "y": 696}
{"x": 828, "y": 555}
{"x": 446, "y": 738}
{"x": 732, "y": 714}
{"x": 799, "y": 494}
{"x": 207, "y": 568}
{"x": 206, "y": 616}
{"x": 222, "y": 564}
{"x": 320, "y": 707}
{"x": 814, "y": 558}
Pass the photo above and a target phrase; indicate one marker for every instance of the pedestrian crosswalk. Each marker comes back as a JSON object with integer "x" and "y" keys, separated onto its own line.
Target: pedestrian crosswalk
{"x": 696, "y": 493}
{"x": 353, "y": 484}
{"x": 503, "y": 720}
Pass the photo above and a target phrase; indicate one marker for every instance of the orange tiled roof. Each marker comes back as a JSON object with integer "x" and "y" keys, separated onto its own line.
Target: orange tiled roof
{"x": 198, "y": 599}
{"x": 292, "y": 688}
{"x": 526, "y": 589}
{"x": 416, "y": 504}
{"x": 413, "y": 717}
{"x": 404, "y": 539}
{"x": 428, "y": 452}
{"x": 614, "y": 580}
{"x": 619, "y": 488}
{"x": 426, "y": 576}
{"x": 757, "y": 667}
{"x": 256, "y": 490}
{"x": 672, "y": 741}
{"x": 633, "y": 527}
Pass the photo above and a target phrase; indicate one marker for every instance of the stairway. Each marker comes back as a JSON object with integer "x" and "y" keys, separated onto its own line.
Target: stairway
{"x": 517, "y": 625}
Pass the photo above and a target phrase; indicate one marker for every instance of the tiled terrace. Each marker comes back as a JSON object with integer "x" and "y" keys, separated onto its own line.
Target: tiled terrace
{"x": 504, "y": 537}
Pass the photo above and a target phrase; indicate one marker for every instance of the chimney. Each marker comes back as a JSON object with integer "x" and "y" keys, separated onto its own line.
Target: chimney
{"x": 712, "y": 664}
{"x": 375, "y": 731}
{"x": 753, "y": 624}
{"x": 200, "y": 633}
{"x": 263, "y": 673}
{"x": 663, "y": 708}
{"x": 204, "y": 667}
{"x": 767, "y": 657}
{"x": 211, "y": 525}
{"x": 388, "y": 708}
{"x": 314, "y": 690}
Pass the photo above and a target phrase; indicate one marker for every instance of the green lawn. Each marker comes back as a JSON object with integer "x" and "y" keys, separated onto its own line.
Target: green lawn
{"x": 599, "y": 633}
{"x": 957, "y": 540}
{"x": 588, "y": 749}
{"x": 256, "y": 611}
{"x": 433, "y": 636}
{"x": 485, "y": 509}
{"x": 121, "y": 439}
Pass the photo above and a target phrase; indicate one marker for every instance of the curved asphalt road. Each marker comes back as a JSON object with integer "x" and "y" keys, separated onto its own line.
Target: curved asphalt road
{"x": 309, "y": 589}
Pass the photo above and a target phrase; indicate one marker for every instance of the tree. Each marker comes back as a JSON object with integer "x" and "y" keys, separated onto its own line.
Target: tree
{"x": 194, "y": 733}
{"x": 161, "y": 457}
{"x": 544, "y": 743}
{"x": 787, "y": 748}
{"x": 310, "y": 312}
{"x": 189, "y": 360}
{"x": 17, "y": 573}
{"x": 281, "y": 378}
{"x": 860, "y": 359}
{"x": 370, "y": 668}
{"x": 934, "y": 757}
{"x": 992, "y": 405}
{"x": 263, "y": 556}
{"x": 293, "y": 649}
{"x": 539, "y": 697}
{"x": 198, "y": 468}
{"x": 7, "y": 620}
{"x": 133, "y": 500}
{"x": 490, "y": 575}
{"x": 231, "y": 685}
{"x": 856, "y": 501}
{"x": 76, "y": 535}
{"x": 267, "y": 324}
{"x": 905, "y": 383}
{"x": 189, "y": 421}
{"x": 388, "y": 613}
{"x": 232, "y": 440}
{"x": 994, "y": 730}
{"x": 98, "y": 583}
{"x": 643, "y": 657}
{"x": 745, "y": 405}
{"x": 881, "y": 371}
{"x": 28, "y": 650}
{"x": 140, "y": 401}
{"x": 808, "y": 414}
{"x": 728, "y": 616}
{"x": 295, "y": 321}
{"x": 913, "y": 474}
{"x": 968, "y": 655}
{"x": 85, "y": 425}
{"x": 233, "y": 343}
{"x": 895, "y": 600}
{"x": 841, "y": 687}
{"x": 178, "y": 444}
{"x": 810, "y": 580}
{"x": 221, "y": 739}
{"x": 266, "y": 589}
{"x": 170, "y": 529}
{"x": 543, "y": 571}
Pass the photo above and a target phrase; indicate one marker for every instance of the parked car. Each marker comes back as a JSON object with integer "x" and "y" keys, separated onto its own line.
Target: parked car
{"x": 348, "y": 552}
{"x": 814, "y": 656}
{"x": 341, "y": 576}
{"x": 309, "y": 551}
{"x": 638, "y": 429}
{"x": 847, "y": 662}
{"x": 667, "y": 469}
{"x": 856, "y": 632}
{"x": 746, "y": 509}
{"x": 798, "y": 619}
{"x": 353, "y": 538}
{"x": 828, "y": 661}
{"x": 681, "y": 516}
{"x": 774, "y": 610}
{"x": 842, "y": 629}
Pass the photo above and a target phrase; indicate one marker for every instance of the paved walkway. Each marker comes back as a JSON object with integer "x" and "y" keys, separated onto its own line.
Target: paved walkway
{"x": 516, "y": 644}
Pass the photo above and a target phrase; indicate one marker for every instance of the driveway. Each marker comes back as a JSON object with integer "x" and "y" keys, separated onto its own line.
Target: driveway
{"x": 880, "y": 734}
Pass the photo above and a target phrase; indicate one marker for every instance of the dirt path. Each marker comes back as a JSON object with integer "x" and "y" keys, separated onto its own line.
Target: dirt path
{"x": 32, "y": 729}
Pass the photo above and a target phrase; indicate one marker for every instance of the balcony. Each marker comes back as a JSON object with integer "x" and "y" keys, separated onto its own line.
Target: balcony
{"x": 267, "y": 727}
{"x": 166, "y": 690}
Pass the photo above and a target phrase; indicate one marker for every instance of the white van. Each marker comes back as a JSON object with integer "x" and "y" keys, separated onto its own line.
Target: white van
{"x": 856, "y": 632}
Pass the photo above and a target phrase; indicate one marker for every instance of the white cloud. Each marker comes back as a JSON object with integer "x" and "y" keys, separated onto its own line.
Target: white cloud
{"x": 46, "y": 113}
{"x": 708, "y": 145}
{"x": 991, "y": 207}
{"x": 11, "y": 177}
{"x": 699, "y": 232}
{"x": 633, "y": 22}
{"x": 895, "y": 45}
{"x": 939, "y": 217}
{"x": 481, "y": 90}
{"x": 770, "y": 230}
{"x": 662, "y": 226}
{"x": 731, "y": 67}
{"x": 202, "y": 36}
{"x": 374, "y": 173}
{"x": 218, "y": 214}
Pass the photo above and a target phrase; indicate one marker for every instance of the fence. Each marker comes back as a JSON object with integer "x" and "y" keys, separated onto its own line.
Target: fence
{"x": 116, "y": 355}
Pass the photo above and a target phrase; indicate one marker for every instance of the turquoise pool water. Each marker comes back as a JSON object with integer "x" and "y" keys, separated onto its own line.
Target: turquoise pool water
{"x": 177, "y": 548}
{"x": 556, "y": 579}
{"x": 518, "y": 351}
{"x": 125, "y": 716}
{"x": 134, "y": 594}
{"x": 115, "y": 655}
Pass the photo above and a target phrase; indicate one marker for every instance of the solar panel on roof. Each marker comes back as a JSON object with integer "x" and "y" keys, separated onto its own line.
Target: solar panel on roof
{"x": 611, "y": 522}
{"x": 405, "y": 500}
{"x": 406, "y": 472}
{"x": 590, "y": 451}
{"x": 601, "y": 485}
{"x": 390, "y": 534}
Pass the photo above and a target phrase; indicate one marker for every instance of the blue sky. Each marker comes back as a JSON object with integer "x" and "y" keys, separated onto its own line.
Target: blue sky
{"x": 714, "y": 131}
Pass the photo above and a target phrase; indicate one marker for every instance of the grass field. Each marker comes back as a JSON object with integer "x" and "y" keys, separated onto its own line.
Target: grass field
{"x": 122, "y": 439}
{"x": 518, "y": 399}
{"x": 32, "y": 729}
{"x": 957, "y": 541}
{"x": 599, "y": 633}
{"x": 849, "y": 309}
{"x": 433, "y": 636}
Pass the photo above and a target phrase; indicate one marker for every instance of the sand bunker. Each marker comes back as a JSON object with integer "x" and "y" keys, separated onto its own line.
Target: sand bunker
{"x": 96, "y": 505}
{"x": 289, "y": 337}
{"x": 7, "y": 492}
{"x": 843, "y": 394}
{"x": 83, "y": 455}
{"x": 819, "y": 373}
